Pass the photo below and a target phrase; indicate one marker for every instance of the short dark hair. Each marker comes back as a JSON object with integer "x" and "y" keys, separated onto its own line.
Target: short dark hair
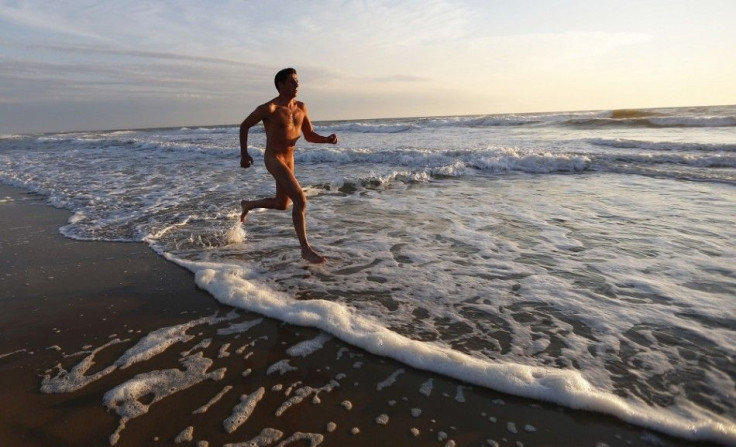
{"x": 282, "y": 75}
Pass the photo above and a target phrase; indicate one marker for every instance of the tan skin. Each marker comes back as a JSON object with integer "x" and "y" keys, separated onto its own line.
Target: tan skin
{"x": 285, "y": 119}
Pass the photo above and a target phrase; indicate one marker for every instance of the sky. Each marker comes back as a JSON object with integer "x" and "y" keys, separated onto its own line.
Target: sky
{"x": 88, "y": 64}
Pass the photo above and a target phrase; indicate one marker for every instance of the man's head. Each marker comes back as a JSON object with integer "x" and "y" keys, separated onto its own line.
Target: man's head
{"x": 282, "y": 76}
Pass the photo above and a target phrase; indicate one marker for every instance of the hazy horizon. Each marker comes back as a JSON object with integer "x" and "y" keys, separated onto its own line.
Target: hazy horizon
{"x": 386, "y": 118}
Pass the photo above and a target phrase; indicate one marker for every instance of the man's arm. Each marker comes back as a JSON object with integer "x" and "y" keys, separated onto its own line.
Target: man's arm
{"x": 309, "y": 133}
{"x": 254, "y": 118}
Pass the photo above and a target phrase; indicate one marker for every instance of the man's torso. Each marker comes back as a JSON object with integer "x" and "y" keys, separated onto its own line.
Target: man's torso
{"x": 283, "y": 127}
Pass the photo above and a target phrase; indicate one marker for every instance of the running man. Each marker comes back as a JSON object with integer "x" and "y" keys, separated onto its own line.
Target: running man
{"x": 285, "y": 120}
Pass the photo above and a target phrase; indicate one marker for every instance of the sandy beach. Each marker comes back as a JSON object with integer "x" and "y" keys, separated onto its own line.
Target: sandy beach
{"x": 72, "y": 312}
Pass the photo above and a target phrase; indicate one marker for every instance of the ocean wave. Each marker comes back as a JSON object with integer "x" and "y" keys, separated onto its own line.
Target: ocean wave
{"x": 210, "y": 130}
{"x": 701, "y": 161}
{"x": 484, "y": 121}
{"x": 633, "y": 113}
{"x": 372, "y": 182}
{"x": 694, "y": 121}
{"x": 194, "y": 148}
{"x": 606, "y": 118}
{"x": 494, "y": 160}
{"x": 12, "y": 136}
{"x": 142, "y": 144}
{"x": 654, "y": 122}
{"x": 472, "y": 121}
{"x": 543, "y": 163}
{"x": 363, "y": 127}
{"x": 407, "y": 167}
{"x": 660, "y": 145}
{"x": 116, "y": 133}
{"x": 76, "y": 141}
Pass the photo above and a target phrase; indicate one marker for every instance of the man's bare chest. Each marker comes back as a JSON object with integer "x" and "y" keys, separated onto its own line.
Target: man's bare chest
{"x": 287, "y": 118}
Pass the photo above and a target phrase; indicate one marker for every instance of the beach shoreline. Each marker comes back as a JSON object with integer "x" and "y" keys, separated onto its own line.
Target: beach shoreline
{"x": 62, "y": 297}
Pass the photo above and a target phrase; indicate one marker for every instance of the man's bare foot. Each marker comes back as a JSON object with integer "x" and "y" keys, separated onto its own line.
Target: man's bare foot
{"x": 245, "y": 211}
{"x": 310, "y": 255}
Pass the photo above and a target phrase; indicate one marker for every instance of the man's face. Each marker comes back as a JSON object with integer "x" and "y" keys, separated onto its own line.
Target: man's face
{"x": 290, "y": 86}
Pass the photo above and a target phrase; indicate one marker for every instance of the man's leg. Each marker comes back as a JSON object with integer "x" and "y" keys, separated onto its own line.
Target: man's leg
{"x": 287, "y": 184}
{"x": 280, "y": 202}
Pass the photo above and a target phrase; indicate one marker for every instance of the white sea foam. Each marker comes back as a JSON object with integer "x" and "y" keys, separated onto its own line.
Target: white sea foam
{"x": 11, "y": 136}
{"x": 382, "y": 419}
{"x": 210, "y": 130}
{"x": 267, "y": 436}
{"x": 304, "y": 392}
{"x": 566, "y": 387}
{"x": 159, "y": 340}
{"x": 288, "y": 391}
{"x": 74, "y": 379}
{"x": 236, "y": 234}
{"x": 460, "y": 394}
{"x": 125, "y": 399}
{"x": 434, "y": 163}
{"x": 390, "y": 380}
{"x": 242, "y": 412}
{"x": 308, "y": 347}
{"x": 216, "y": 398}
{"x": 186, "y": 435}
{"x": 223, "y": 352}
{"x": 204, "y": 344}
{"x": 239, "y": 328}
{"x": 282, "y": 367}
{"x": 426, "y": 387}
{"x": 8, "y": 354}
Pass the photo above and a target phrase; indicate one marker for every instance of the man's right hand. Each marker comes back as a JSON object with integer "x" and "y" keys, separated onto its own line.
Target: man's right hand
{"x": 245, "y": 161}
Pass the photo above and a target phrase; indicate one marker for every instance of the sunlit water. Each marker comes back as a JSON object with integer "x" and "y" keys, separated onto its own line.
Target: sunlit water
{"x": 599, "y": 243}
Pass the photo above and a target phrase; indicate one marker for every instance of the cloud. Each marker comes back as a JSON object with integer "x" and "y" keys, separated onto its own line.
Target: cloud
{"x": 34, "y": 80}
{"x": 40, "y": 16}
{"x": 388, "y": 24}
{"x": 134, "y": 53}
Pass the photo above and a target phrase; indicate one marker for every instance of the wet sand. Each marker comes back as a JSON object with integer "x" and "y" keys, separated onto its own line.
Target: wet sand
{"x": 61, "y": 300}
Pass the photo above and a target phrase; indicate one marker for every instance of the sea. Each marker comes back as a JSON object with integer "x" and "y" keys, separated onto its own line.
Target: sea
{"x": 582, "y": 258}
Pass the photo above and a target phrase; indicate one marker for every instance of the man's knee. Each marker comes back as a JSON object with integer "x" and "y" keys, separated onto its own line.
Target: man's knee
{"x": 300, "y": 201}
{"x": 281, "y": 203}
